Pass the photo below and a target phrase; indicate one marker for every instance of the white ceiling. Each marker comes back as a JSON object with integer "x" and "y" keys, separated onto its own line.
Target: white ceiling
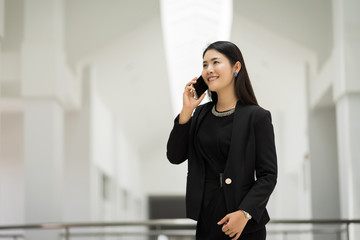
{"x": 307, "y": 23}
{"x": 92, "y": 24}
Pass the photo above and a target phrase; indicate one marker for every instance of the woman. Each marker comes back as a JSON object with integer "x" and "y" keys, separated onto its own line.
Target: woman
{"x": 229, "y": 144}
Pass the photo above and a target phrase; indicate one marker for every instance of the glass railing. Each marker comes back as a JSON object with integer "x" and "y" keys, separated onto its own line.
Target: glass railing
{"x": 174, "y": 229}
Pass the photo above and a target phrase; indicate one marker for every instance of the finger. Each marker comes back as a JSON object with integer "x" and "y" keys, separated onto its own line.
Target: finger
{"x": 224, "y": 220}
{"x": 232, "y": 234}
{"x": 190, "y": 90}
{"x": 236, "y": 236}
{"x": 192, "y": 81}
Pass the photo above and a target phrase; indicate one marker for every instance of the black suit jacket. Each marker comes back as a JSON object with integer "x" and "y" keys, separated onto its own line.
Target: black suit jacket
{"x": 251, "y": 163}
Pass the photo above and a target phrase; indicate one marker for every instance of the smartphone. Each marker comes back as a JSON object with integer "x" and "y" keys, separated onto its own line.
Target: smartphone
{"x": 200, "y": 87}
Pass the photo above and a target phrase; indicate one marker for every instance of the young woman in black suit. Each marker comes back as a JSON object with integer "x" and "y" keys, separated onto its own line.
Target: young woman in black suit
{"x": 229, "y": 144}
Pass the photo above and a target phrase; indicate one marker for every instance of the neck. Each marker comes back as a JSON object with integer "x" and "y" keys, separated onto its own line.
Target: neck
{"x": 226, "y": 101}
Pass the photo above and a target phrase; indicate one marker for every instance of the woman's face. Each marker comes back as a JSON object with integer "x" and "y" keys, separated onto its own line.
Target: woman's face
{"x": 217, "y": 72}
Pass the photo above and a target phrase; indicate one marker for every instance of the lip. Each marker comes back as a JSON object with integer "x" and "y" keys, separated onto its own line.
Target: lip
{"x": 212, "y": 78}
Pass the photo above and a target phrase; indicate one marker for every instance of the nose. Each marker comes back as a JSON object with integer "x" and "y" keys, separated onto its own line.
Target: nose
{"x": 209, "y": 69}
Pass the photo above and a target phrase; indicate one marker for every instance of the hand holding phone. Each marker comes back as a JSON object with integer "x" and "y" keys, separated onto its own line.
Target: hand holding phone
{"x": 200, "y": 87}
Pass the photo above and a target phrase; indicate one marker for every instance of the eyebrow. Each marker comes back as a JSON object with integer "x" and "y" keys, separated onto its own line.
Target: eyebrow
{"x": 212, "y": 59}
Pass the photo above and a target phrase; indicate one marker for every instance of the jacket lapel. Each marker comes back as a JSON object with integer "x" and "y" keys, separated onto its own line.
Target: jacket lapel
{"x": 196, "y": 120}
{"x": 239, "y": 132}
{"x": 201, "y": 115}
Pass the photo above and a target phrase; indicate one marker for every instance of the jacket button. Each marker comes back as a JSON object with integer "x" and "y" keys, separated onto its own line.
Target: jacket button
{"x": 228, "y": 181}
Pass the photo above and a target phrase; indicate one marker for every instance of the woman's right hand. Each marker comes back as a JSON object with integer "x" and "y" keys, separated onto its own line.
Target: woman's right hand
{"x": 189, "y": 102}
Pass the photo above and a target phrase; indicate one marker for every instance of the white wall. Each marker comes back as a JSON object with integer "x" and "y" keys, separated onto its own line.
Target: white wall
{"x": 133, "y": 83}
{"x": 112, "y": 155}
{"x": 130, "y": 185}
{"x": 127, "y": 86}
{"x": 77, "y": 162}
{"x": 101, "y": 155}
{"x": 96, "y": 146}
{"x": 324, "y": 163}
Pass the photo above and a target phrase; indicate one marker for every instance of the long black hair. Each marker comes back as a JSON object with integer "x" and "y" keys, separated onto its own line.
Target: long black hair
{"x": 243, "y": 88}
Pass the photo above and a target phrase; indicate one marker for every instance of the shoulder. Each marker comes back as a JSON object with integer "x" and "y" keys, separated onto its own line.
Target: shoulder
{"x": 257, "y": 113}
{"x": 262, "y": 112}
{"x": 262, "y": 115}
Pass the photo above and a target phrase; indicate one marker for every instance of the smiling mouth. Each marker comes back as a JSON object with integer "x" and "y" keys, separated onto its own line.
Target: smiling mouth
{"x": 212, "y": 78}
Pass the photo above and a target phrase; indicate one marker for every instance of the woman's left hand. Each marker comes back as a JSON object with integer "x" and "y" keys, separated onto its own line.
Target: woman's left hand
{"x": 233, "y": 224}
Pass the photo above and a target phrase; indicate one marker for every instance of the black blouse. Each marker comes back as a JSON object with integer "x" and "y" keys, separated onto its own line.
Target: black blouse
{"x": 213, "y": 143}
{"x": 213, "y": 139}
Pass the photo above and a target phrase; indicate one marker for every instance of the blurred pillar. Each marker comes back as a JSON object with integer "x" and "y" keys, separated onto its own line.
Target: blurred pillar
{"x": 43, "y": 157}
{"x": 43, "y": 88}
{"x": 44, "y": 70}
{"x": 1, "y": 38}
{"x": 41, "y": 50}
{"x": 2, "y": 19}
{"x": 347, "y": 98}
{"x": 2, "y": 16}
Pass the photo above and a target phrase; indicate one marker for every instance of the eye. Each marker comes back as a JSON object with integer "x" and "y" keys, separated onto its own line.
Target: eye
{"x": 216, "y": 62}
{"x": 204, "y": 65}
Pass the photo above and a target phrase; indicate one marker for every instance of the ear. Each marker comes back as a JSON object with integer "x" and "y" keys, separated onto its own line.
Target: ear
{"x": 237, "y": 67}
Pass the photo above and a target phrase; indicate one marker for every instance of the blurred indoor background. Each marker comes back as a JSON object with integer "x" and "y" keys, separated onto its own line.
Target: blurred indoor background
{"x": 89, "y": 90}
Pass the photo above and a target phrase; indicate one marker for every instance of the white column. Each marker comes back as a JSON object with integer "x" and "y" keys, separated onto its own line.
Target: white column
{"x": 43, "y": 156}
{"x": 348, "y": 118}
{"x": 44, "y": 70}
{"x": 42, "y": 89}
{"x": 347, "y": 98}
{"x": 2, "y": 19}
{"x": 11, "y": 168}
{"x": 41, "y": 49}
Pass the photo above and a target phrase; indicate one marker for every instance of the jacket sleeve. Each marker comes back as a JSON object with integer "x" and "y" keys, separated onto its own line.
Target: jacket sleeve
{"x": 177, "y": 145}
{"x": 265, "y": 167}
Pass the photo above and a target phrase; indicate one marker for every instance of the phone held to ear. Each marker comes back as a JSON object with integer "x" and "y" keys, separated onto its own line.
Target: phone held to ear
{"x": 200, "y": 87}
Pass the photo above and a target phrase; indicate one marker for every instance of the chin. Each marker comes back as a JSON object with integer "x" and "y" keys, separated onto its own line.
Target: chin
{"x": 212, "y": 88}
